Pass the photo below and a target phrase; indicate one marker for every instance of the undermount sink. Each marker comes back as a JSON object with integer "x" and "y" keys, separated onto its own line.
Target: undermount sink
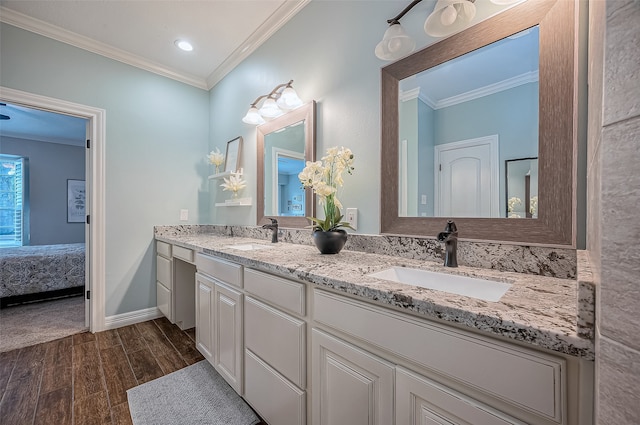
{"x": 487, "y": 290}
{"x": 249, "y": 247}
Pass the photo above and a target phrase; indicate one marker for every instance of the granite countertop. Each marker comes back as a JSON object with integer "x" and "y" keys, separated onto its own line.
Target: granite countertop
{"x": 538, "y": 310}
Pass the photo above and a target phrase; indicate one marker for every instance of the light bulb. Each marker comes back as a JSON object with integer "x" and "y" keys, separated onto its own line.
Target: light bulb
{"x": 449, "y": 15}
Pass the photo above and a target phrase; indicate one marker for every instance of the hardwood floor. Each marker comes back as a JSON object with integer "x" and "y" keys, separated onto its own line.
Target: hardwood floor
{"x": 83, "y": 379}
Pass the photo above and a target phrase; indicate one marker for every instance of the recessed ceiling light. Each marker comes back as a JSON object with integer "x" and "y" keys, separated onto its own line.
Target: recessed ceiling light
{"x": 184, "y": 45}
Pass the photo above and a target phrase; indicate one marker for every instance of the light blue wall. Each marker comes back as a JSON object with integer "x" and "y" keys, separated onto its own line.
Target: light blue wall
{"x": 50, "y": 166}
{"x": 425, "y": 155}
{"x": 511, "y": 114}
{"x": 327, "y": 49}
{"x": 409, "y": 131}
{"x": 156, "y": 139}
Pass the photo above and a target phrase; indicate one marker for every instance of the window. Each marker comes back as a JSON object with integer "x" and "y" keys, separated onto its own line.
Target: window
{"x": 14, "y": 201}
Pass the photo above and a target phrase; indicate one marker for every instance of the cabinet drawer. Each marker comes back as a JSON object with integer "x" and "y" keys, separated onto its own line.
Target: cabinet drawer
{"x": 163, "y": 300}
{"x": 163, "y": 271}
{"x": 279, "y": 339}
{"x": 422, "y": 401}
{"x": 222, "y": 270}
{"x": 277, "y": 400}
{"x": 535, "y": 380}
{"x": 281, "y": 292}
{"x": 163, "y": 248}
{"x": 185, "y": 254}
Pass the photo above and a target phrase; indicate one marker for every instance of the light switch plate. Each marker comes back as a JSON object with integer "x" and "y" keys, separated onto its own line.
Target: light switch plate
{"x": 184, "y": 215}
{"x": 352, "y": 217}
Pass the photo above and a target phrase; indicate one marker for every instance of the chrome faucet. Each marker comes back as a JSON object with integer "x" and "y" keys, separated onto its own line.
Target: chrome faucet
{"x": 450, "y": 239}
{"x": 274, "y": 229}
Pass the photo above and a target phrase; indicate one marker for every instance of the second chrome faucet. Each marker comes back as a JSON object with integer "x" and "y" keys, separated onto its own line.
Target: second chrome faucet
{"x": 450, "y": 239}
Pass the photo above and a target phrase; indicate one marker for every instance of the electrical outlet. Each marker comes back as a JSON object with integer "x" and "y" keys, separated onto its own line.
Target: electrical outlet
{"x": 184, "y": 215}
{"x": 424, "y": 200}
{"x": 352, "y": 217}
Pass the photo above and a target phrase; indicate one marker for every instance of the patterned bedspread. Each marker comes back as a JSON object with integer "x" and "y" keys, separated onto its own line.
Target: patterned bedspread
{"x": 33, "y": 269}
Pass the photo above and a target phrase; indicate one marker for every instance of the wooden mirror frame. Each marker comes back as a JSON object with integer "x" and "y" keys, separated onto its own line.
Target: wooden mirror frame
{"x": 557, "y": 135}
{"x": 307, "y": 113}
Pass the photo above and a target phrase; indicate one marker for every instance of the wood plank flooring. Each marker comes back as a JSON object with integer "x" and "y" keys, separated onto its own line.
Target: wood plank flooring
{"x": 83, "y": 379}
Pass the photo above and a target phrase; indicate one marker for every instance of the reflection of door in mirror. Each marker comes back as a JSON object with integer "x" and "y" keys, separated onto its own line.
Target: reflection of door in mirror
{"x": 492, "y": 91}
{"x": 283, "y": 160}
{"x": 287, "y": 193}
{"x": 522, "y": 188}
{"x": 284, "y": 144}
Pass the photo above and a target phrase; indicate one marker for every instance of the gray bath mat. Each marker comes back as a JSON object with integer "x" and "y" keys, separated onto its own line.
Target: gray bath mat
{"x": 194, "y": 395}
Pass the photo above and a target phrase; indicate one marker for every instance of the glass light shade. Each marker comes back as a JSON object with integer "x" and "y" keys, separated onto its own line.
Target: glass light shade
{"x": 253, "y": 117}
{"x": 440, "y": 22}
{"x": 395, "y": 44}
{"x": 270, "y": 109}
{"x": 505, "y": 2}
{"x": 289, "y": 99}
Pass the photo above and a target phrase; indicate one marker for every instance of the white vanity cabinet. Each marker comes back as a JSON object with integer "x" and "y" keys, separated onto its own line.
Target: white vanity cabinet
{"x": 174, "y": 284}
{"x": 275, "y": 348}
{"x": 219, "y": 313}
{"x": 442, "y": 374}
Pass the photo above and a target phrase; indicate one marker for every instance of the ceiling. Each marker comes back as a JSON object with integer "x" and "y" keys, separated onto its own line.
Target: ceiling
{"x": 142, "y": 33}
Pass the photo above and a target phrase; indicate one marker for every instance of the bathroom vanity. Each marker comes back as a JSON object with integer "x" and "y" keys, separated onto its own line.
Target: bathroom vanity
{"x": 310, "y": 338}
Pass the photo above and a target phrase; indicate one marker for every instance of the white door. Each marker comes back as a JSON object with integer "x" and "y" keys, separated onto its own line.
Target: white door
{"x": 467, "y": 178}
{"x": 87, "y": 229}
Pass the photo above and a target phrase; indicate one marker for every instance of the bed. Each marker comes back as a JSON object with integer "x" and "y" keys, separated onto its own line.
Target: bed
{"x": 42, "y": 271}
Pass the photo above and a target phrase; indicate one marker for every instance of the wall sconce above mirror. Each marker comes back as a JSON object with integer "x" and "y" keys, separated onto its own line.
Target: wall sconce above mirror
{"x": 448, "y": 17}
{"x": 281, "y": 99}
{"x": 284, "y": 145}
{"x": 555, "y": 105}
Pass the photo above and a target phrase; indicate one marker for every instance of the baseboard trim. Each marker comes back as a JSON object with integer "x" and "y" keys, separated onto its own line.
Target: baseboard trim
{"x": 133, "y": 317}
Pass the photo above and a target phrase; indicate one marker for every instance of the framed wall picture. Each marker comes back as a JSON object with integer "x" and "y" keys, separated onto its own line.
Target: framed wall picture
{"x": 232, "y": 156}
{"x": 76, "y": 200}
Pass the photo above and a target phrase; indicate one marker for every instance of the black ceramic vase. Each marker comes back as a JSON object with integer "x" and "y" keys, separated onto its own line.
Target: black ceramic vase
{"x": 330, "y": 242}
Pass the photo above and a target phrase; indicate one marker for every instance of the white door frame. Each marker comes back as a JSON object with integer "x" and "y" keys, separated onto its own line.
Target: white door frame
{"x": 492, "y": 141}
{"x": 95, "y": 177}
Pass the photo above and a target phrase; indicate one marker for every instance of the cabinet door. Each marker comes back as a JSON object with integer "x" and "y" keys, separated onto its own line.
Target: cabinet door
{"x": 421, "y": 401}
{"x": 350, "y": 385}
{"x": 163, "y": 300}
{"x": 228, "y": 335}
{"x": 204, "y": 316}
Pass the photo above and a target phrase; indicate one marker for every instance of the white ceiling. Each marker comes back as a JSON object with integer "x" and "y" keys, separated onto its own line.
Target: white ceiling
{"x": 142, "y": 33}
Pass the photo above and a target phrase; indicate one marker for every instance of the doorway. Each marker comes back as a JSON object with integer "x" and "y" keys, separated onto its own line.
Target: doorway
{"x": 467, "y": 178}
{"x": 94, "y": 194}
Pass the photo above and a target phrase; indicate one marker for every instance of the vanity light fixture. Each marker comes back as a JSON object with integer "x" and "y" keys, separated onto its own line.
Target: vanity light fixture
{"x": 282, "y": 98}
{"x": 448, "y": 17}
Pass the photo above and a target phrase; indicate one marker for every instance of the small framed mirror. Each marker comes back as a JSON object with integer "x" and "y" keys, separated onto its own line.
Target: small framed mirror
{"x": 284, "y": 144}
{"x": 233, "y": 154}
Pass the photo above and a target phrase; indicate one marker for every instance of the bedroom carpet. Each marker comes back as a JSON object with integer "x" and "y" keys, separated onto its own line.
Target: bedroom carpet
{"x": 30, "y": 324}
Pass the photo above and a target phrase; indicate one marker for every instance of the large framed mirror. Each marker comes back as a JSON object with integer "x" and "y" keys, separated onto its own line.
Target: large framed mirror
{"x": 284, "y": 144}
{"x": 420, "y": 184}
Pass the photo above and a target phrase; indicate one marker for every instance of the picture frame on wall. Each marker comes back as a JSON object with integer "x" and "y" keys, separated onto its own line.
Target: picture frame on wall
{"x": 232, "y": 155}
{"x": 76, "y": 201}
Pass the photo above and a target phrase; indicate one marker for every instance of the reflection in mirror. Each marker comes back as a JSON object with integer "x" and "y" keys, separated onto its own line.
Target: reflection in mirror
{"x": 283, "y": 161}
{"x": 522, "y": 188}
{"x": 458, "y": 124}
{"x": 284, "y": 144}
{"x": 407, "y": 197}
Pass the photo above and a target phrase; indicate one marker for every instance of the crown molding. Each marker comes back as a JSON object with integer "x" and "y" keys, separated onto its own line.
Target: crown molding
{"x": 509, "y": 83}
{"x": 284, "y": 13}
